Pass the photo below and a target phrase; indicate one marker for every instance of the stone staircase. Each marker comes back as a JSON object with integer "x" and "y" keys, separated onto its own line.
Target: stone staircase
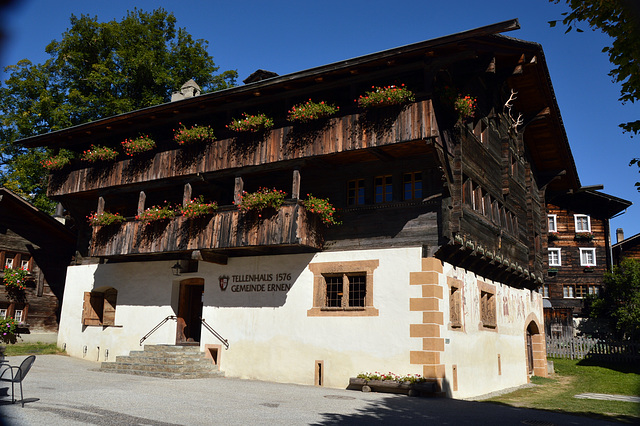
{"x": 168, "y": 361}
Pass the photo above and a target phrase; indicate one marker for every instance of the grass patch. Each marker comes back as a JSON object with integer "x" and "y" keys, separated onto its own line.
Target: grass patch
{"x": 32, "y": 349}
{"x": 574, "y": 377}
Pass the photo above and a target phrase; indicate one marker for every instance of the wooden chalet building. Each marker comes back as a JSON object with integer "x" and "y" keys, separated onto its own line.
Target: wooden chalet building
{"x": 625, "y": 247}
{"x": 580, "y": 252}
{"x": 36, "y": 242}
{"x": 433, "y": 270}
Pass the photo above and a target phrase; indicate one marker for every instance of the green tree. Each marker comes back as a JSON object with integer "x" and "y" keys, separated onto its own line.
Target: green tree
{"x": 98, "y": 69}
{"x": 620, "y": 300}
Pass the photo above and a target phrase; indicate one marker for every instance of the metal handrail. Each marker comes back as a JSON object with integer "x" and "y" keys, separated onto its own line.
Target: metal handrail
{"x": 160, "y": 324}
{"x": 224, "y": 341}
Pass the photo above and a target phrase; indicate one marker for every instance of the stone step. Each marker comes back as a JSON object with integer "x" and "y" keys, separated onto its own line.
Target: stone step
{"x": 168, "y": 375}
{"x": 171, "y": 349}
{"x": 141, "y": 359}
{"x": 159, "y": 367}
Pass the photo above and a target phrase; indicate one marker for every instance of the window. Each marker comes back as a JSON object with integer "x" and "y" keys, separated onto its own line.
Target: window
{"x": 455, "y": 303}
{"x": 355, "y": 192}
{"x": 8, "y": 262}
{"x": 581, "y": 291}
{"x": 99, "y": 307}
{"x": 487, "y": 305}
{"x": 412, "y": 183}
{"x": 594, "y": 290}
{"x": 568, "y": 291}
{"x": 583, "y": 223}
{"x": 553, "y": 223}
{"x": 17, "y": 315}
{"x": 555, "y": 257}
{"x": 588, "y": 257}
{"x": 383, "y": 186}
{"x": 544, "y": 290}
{"x": 3, "y": 313}
{"x": 343, "y": 288}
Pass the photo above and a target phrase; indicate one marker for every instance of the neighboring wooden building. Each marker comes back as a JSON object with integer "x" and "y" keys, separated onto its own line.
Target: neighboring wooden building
{"x": 34, "y": 241}
{"x": 625, "y": 247}
{"x": 579, "y": 245}
{"x": 432, "y": 272}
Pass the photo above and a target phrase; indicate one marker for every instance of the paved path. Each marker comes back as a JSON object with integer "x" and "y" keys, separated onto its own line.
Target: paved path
{"x": 607, "y": 397}
{"x": 65, "y": 391}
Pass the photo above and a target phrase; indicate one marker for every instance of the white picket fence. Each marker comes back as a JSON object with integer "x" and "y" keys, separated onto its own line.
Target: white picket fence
{"x": 586, "y": 347}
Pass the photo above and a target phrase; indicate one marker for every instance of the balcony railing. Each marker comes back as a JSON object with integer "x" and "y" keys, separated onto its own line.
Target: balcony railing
{"x": 290, "y": 228}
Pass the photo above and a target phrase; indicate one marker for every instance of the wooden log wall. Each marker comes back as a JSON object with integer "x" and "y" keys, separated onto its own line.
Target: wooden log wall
{"x": 347, "y": 133}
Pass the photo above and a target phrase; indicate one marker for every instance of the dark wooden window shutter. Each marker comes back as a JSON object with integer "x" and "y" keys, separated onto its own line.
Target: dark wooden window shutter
{"x": 109, "y": 309}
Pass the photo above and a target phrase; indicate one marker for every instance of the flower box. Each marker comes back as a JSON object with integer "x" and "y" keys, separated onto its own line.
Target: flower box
{"x": 262, "y": 199}
{"x": 322, "y": 208}
{"x": 138, "y": 146}
{"x": 392, "y": 386}
{"x": 310, "y": 111}
{"x": 251, "y": 123}
{"x": 99, "y": 153}
{"x": 465, "y": 106}
{"x": 156, "y": 213}
{"x": 584, "y": 236}
{"x": 195, "y": 134}
{"x": 198, "y": 208}
{"x": 105, "y": 219}
{"x": 58, "y": 162}
{"x": 385, "y": 96}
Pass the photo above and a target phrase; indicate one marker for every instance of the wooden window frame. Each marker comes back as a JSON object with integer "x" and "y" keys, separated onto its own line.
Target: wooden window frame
{"x": 412, "y": 181}
{"x": 387, "y": 183}
{"x": 580, "y": 216}
{"x": 556, "y": 250}
{"x": 565, "y": 291}
{"x": 345, "y": 269}
{"x": 588, "y": 249}
{"x": 488, "y": 306}
{"x": 99, "y": 307}
{"x": 553, "y": 217}
{"x": 358, "y": 185}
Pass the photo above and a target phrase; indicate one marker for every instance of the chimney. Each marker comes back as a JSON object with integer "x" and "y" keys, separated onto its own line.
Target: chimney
{"x": 619, "y": 235}
{"x": 188, "y": 90}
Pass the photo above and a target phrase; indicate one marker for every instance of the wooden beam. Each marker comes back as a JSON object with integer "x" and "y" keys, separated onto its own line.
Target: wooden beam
{"x": 295, "y": 187}
{"x": 209, "y": 256}
{"x": 141, "y": 200}
{"x": 237, "y": 190}
{"x": 186, "y": 195}
{"x": 100, "y": 208}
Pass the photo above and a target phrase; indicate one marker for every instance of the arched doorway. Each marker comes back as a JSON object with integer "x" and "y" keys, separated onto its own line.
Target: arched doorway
{"x": 536, "y": 351}
{"x": 190, "y": 311}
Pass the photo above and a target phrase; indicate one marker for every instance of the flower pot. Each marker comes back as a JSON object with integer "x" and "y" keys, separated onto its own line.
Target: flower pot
{"x": 392, "y": 386}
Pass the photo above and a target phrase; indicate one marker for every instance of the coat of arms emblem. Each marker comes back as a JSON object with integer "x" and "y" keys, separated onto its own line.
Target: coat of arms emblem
{"x": 224, "y": 282}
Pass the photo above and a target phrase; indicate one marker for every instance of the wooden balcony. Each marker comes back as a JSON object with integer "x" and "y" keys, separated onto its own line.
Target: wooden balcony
{"x": 226, "y": 232}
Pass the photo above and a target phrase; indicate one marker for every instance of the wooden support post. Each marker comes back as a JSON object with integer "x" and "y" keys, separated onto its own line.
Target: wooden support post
{"x": 186, "y": 195}
{"x": 237, "y": 190}
{"x": 295, "y": 188}
{"x": 141, "y": 200}
{"x": 59, "y": 210}
{"x": 100, "y": 208}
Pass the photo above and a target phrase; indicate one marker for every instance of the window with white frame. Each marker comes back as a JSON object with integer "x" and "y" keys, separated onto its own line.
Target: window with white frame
{"x": 544, "y": 290}
{"x": 8, "y": 262}
{"x": 3, "y": 313}
{"x": 568, "y": 291}
{"x": 17, "y": 315}
{"x": 582, "y": 222}
{"x": 594, "y": 290}
{"x": 553, "y": 223}
{"x": 24, "y": 265}
{"x": 588, "y": 257}
{"x": 555, "y": 258}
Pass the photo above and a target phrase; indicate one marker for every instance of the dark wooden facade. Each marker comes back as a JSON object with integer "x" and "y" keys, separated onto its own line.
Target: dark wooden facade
{"x": 484, "y": 180}
{"x": 32, "y": 240}
{"x": 576, "y": 275}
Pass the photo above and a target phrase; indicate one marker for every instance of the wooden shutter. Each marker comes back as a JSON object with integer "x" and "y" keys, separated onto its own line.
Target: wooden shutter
{"x": 89, "y": 313}
{"x": 109, "y": 309}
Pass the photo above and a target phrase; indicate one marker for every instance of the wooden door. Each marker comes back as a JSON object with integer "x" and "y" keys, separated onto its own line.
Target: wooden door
{"x": 190, "y": 311}
{"x": 529, "y": 352}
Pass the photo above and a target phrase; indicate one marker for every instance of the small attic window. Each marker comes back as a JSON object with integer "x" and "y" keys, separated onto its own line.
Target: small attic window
{"x": 259, "y": 75}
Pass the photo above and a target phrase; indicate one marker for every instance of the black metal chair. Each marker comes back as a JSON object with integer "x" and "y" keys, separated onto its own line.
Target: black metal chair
{"x": 18, "y": 373}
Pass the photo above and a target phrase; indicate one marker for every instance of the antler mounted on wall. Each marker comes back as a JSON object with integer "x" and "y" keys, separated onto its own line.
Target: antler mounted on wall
{"x": 507, "y": 108}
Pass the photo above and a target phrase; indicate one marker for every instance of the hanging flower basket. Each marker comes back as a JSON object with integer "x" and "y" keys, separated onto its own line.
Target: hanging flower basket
{"x": 156, "y": 213}
{"x": 59, "y": 161}
{"x": 105, "y": 219}
{"x": 310, "y": 111}
{"x": 322, "y": 208}
{"x": 99, "y": 153}
{"x": 198, "y": 208}
{"x": 195, "y": 134}
{"x": 15, "y": 278}
{"x": 251, "y": 123}
{"x": 138, "y": 145}
{"x": 262, "y": 199}
{"x": 385, "y": 96}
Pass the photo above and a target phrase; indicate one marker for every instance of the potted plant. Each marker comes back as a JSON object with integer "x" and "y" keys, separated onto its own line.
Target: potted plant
{"x": 197, "y": 208}
{"x": 465, "y": 106}
{"x": 385, "y": 96}
{"x": 156, "y": 213}
{"x": 105, "y": 219}
{"x": 138, "y": 145}
{"x": 99, "y": 153}
{"x": 251, "y": 123}
{"x": 322, "y": 208}
{"x": 192, "y": 135}
{"x": 8, "y": 330}
{"x": 262, "y": 199}
{"x": 59, "y": 161}
{"x": 309, "y": 111}
{"x": 411, "y": 384}
{"x": 15, "y": 278}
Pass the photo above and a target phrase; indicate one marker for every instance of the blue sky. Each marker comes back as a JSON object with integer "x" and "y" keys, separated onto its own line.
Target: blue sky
{"x": 288, "y": 36}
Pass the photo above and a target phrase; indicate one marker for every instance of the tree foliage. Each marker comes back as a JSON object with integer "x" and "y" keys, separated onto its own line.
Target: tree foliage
{"x": 97, "y": 69}
{"x": 619, "y": 302}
